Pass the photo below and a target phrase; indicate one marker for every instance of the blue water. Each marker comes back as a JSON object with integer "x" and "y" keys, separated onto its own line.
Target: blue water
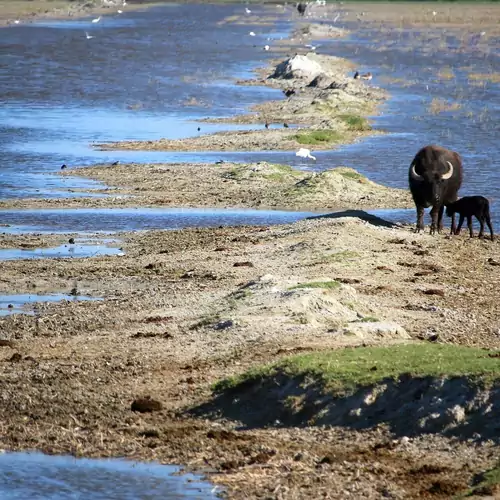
{"x": 12, "y": 304}
{"x": 144, "y": 75}
{"x": 62, "y": 251}
{"x": 127, "y": 219}
{"x": 33, "y": 476}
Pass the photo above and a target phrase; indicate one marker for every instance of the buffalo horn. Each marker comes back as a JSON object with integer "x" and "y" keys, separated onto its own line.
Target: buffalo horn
{"x": 449, "y": 173}
{"x": 414, "y": 174}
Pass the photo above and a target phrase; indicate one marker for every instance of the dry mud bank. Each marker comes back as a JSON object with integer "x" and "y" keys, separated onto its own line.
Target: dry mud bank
{"x": 184, "y": 309}
{"x": 258, "y": 185}
{"x": 27, "y": 11}
{"x": 329, "y": 106}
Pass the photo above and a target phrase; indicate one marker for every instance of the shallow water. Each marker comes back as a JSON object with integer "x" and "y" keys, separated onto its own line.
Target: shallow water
{"x": 407, "y": 62}
{"x": 132, "y": 219}
{"x": 75, "y": 251}
{"x": 36, "y": 476}
{"x": 12, "y": 304}
{"x": 144, "y": 75}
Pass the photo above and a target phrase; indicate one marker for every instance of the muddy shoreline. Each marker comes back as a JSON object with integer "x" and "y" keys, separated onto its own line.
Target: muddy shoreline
{"x": 184, "y": 309}
{"x": 28, "y": 11}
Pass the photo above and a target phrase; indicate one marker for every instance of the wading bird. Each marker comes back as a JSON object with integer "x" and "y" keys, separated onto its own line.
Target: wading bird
{"x": 305, "y": 153}
{"x": 96, "y": 20}
{"x": 88, "y": 36}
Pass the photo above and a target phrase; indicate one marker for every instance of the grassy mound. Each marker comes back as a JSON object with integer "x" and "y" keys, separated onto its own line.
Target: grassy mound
{"x": 344, "y": 371}
{"x": 411, "y": 388}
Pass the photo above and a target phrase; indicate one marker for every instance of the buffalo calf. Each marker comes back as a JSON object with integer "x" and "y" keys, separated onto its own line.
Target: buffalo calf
{"x": 468, "y": 206}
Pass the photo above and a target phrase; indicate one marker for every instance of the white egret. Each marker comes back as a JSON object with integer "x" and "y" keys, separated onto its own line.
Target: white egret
{"x": 266, "y": 47}
{"x": 336, "y": 18}
{"x": 247, "y": 10}
{"x": 120, "y": 11}
{"x": 17, "y": 21}
{"x": 251, "y": 33}
{"x": 96, "y": 20}
{"x": 88, "y": 36}
{"x": 305, "y": 153}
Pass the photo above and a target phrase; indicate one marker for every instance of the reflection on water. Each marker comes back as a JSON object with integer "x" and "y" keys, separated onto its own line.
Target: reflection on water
{"x": 133, "y": 219}
{"x": 62, "y": 251}
{"x": 12, "y": 304}
{"x": 144, "y": 75}
{"x": 26, "y": 476}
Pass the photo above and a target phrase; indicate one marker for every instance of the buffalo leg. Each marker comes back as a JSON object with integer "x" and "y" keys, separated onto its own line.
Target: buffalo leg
{"x": 460, "y": 222}
{"x": 434, "y": 216}
{"x": 420, "y": 218}
{"x": 490, "y": 227}
{"x": 440, "y": 218}
{"x": 469, "y": 225}
{"x": 453, "y": 225}
{"x": 481, "y": 227}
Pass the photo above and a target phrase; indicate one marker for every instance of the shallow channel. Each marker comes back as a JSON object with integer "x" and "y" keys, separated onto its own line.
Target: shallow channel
{"x": 37, "y": 476}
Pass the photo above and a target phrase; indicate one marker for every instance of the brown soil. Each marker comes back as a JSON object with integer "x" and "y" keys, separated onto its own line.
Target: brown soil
{"x": 27, "y": 11}
{"x": 259, "y": 185}
{"x": 184, "y": 309}
{"x": 180, "y": 314}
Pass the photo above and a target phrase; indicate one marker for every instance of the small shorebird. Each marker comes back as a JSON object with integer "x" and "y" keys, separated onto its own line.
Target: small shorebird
{"x": 305, "y": 153}
{"x": 365, "y": 76}
{"x": 96, "y": 20}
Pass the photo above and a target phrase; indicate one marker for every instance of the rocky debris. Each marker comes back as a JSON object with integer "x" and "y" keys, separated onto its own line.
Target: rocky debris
{"x": 7, "y": 343}
{"x": 376, "y": 330}
{"x": 298, "y": 66}
{"x": 321, "y": 81}
{"x": 224, "y": 324}
{"x": 145, "y": 405}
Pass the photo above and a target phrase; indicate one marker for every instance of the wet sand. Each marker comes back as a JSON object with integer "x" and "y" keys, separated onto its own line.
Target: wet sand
{"x": 183, "y": 309}
{"x": 18, "y": 12}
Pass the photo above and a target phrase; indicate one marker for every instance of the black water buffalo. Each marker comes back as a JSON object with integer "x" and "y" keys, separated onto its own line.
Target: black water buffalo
{"x": 435, "y": 176}
{"x": 468, "y": 206}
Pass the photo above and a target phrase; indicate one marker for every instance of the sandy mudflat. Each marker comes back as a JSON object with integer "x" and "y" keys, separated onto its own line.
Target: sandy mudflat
{"x": 184, "y": 309}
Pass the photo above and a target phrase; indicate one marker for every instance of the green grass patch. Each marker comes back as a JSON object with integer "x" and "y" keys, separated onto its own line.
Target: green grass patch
{"x": 317, "y": 284}
{"x": 345, "y": 255}
{"x": 318, "y": 137}
{"x": 368, "y": 319}
{"x": 487, "y": 484}
{"x": 343, "y": 371}
{"x": 355, "y": 122}
{"x": 352, "y": 174}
